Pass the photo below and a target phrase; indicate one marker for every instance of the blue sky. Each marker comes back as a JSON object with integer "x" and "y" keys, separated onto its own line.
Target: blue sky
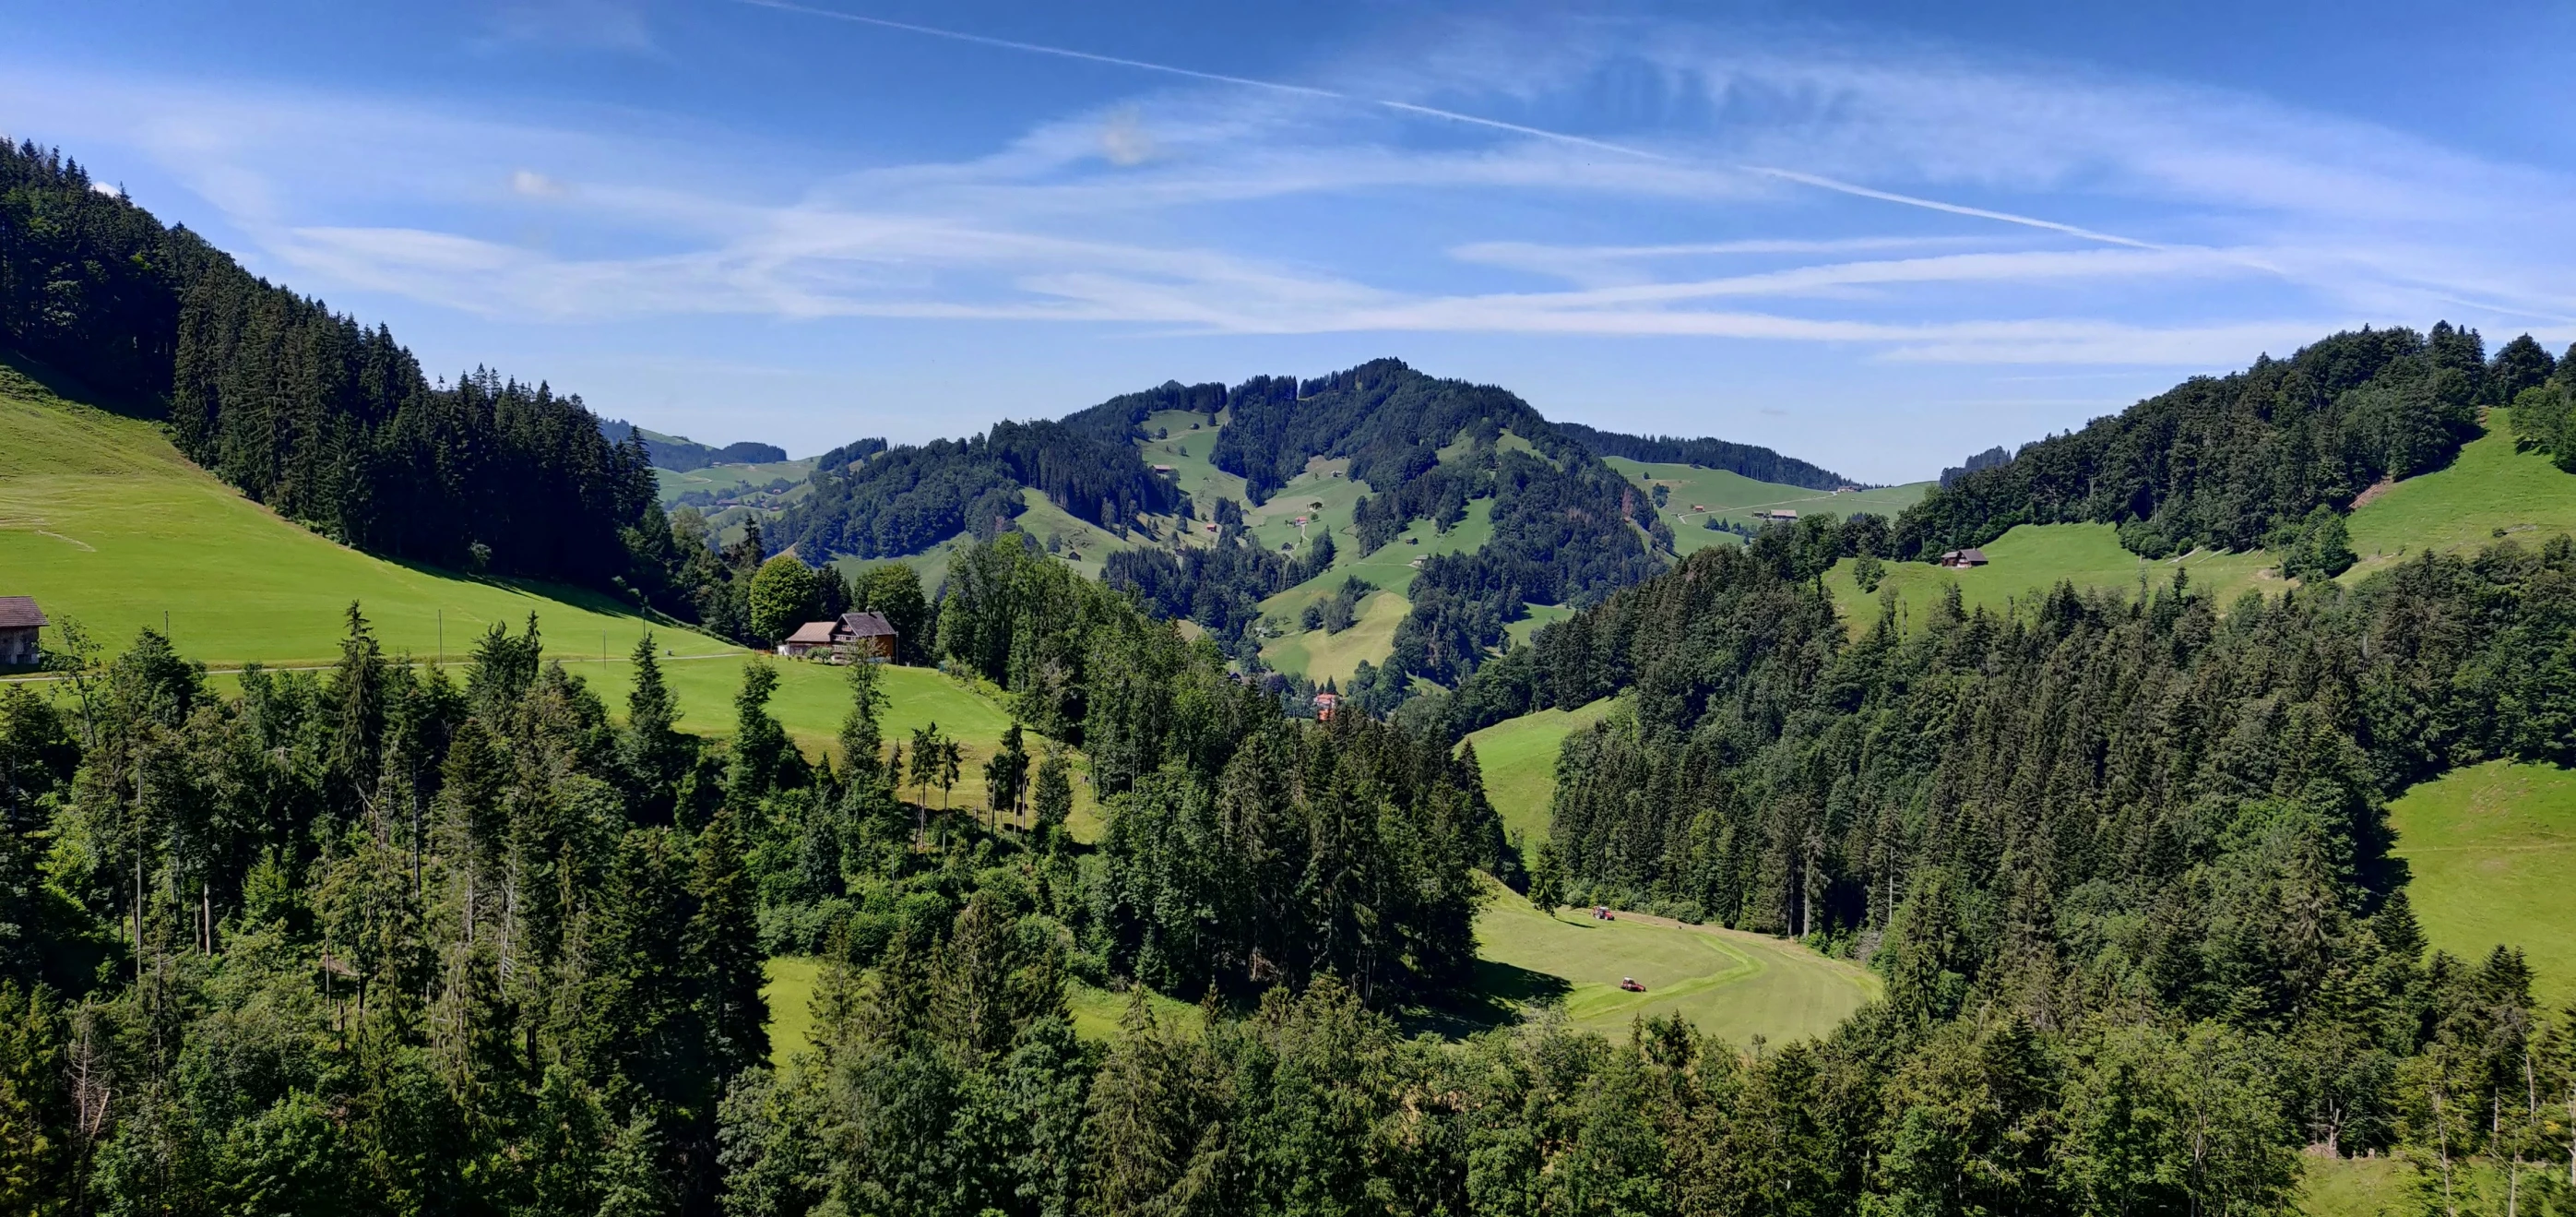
{"x": 1877, "y": 236}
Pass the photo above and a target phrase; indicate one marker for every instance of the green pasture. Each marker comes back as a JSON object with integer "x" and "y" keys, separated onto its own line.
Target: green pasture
{"x": 1540, "y": 617}
{"x": 1187, "y": 452}
{"x": 103, "y": 521}
{"x": 722, "y": 480}
{"x": 2492, "y": 849}
{"x": 1733, "y": 985}
{"x": 2033, "y": 558}
{"x": 2491, "y": 491}
{"x": 1317, "y": 654}
{"x": 1735, "y": 497}
{"x": 1518, "y": 757}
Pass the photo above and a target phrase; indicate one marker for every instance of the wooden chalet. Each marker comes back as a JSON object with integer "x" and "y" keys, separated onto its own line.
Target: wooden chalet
{"x": 1961, "y": 559}
{"x": 865, "y": 636}
{"x": 19, "y": 621}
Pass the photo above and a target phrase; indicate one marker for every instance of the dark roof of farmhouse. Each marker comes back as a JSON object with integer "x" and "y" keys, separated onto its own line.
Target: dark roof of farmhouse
{"x": 20, "y": 613}
{"x": 867, "y": 625}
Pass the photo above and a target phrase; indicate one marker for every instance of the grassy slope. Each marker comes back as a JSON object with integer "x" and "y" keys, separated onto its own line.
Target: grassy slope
{"x": 1518, "y": 757}
{"x": 102, "y": 520}
{"x": 2032, "y": 558}
{"x": 1390, "y": 567}
{"x": 723, "y": 480}
{"x": 2493, "y": 850}
{"x": 2490, "y": 487}
{"x": 1733, "y": 496}
{"x": 1731, "y": 984}
{"x": 2355, "y": 1187}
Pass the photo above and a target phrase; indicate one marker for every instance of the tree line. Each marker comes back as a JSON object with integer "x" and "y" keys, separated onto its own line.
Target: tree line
{"x": 1752, "y": 460}
{"x": 2244, "y": 460}
{"x": 329, "y": 422}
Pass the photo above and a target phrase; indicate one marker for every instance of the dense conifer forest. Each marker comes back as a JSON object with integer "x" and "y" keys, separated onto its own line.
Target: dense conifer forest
{"x": 2242, "y": 461}
{"x": 1759, "y": 463}
{"x": 305, "y": 410}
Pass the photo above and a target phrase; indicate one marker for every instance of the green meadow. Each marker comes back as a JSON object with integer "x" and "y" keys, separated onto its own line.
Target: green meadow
{"x": 2033, "y": 558}
{"x": 1695, "y": 495}
{"x": 2493, "y": 852}
{"x": 104, "y": 522}
{"x": 1518, "y": 759}
{"x": 2492, "y": 491}
{"x": 1733, "y": 985}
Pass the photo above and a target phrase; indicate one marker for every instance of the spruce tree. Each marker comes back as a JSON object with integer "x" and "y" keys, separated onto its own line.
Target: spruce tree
{"x": 723, "y": 947}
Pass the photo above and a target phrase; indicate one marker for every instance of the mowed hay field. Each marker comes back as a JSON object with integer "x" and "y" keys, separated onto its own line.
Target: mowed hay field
{"x": 1731, "y": 984}
{"x": 2493, "y": 851}
{"x": 1733, "y": 497}
{"x": 1518, "y": 760}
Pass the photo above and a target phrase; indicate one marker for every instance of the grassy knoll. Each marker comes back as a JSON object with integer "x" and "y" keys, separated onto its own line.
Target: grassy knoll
{"x": 2491, "y": 487}
{"x": 1735, "y": 497}
{"x": 1540, "y": 617}
{"x": 1518, "y": 757}
{"x": 2032, "y": 558}
{"x": 1099, "y": 1014}
{"x": 102, "y": 520}
{"x": 2493, "y": 849}
{"x": 1319, "y": 655}
{"x": 1187, "y": 451}
{"x": 1731, "y": 984}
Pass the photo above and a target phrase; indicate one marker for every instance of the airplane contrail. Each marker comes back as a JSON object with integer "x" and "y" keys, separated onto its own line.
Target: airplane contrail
{"x": 1581, "y": 141}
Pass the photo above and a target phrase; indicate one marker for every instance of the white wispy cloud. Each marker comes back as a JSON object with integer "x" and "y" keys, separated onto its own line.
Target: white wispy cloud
{"x": 1913, "y": 203}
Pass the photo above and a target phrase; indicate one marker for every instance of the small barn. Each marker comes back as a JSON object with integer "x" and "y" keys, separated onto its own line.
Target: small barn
{"x": 809, "y": 638}
{"x": 1325, "y": 704}
{"x": 1961, "y": 559}
{"x": 19, "y": 621}
{"x": 865, "y": 636}
{"x": 1784, "y": 516}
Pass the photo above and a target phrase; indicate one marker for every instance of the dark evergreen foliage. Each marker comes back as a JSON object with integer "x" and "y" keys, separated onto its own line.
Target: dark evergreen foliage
{"x": 328, "y": 422}
{"x": 1759, "y": 463}
{"x": 871, "y": 502}
{"x": 2223, "y": 461}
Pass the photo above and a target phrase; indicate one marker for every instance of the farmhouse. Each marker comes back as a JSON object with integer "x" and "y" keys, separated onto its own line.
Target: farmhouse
{"x": 809, "y": 638}
{"x": 1783, "y": 514}
{"x": 864, "y": 636}
{"x": 19, "y": 621}
{"x": 1961, "y": 559}
{"x": 1325, "y": 703}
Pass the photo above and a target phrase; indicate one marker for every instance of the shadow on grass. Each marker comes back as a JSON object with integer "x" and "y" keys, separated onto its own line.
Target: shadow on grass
{"x": 1498, "y": 997}
{"x": 71, "y": 388}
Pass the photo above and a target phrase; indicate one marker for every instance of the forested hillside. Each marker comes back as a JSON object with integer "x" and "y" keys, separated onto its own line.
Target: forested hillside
{"x": 2246, "y": 460}
{"x": 2091, "y": 807}
{"x": 305, "y": 410}
{"x": 680, "y": 454}
{"x": 1760, "y": 464}
{"x": 372, "y": 940}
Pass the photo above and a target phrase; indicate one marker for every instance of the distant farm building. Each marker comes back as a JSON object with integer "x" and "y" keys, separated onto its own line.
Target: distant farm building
{"x": 1782, "y": 515}
{"x": 850, "y": 636}
{"x": 865, "y": 636}
{"x": 1163, "y": 469}
{"x": 1961, "y": 559}
{"x": 1324, "y": 705}
{"x": 19, "y": 621}
{"x": 810, "y": 638}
